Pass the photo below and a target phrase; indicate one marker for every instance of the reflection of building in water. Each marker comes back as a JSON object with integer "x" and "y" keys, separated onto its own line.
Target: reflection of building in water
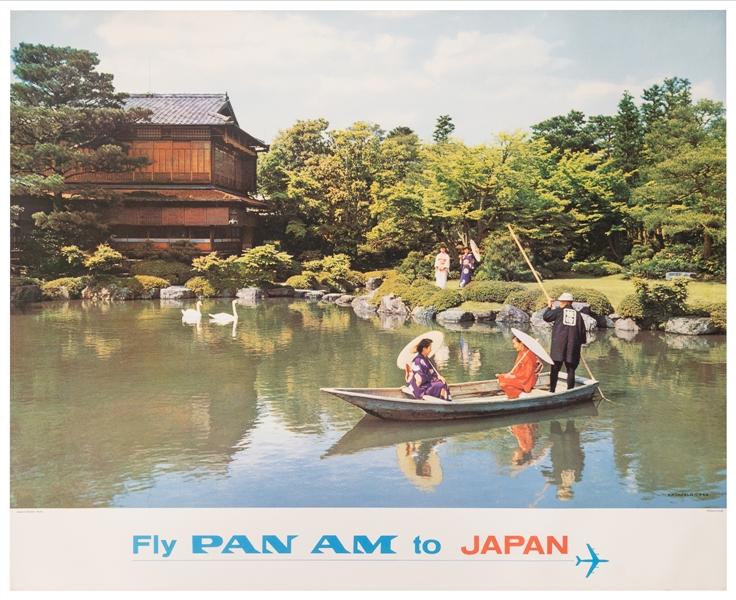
{"x": 420, "y": 463}
{"x": 527, "y": 435}
{"x": 567, "y": 459}
{"x": 469, "y": 359}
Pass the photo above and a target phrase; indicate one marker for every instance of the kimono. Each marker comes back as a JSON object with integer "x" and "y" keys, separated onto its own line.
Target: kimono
{"x": 423, "y": 379}
{"x": 568, "y": 334}
{"x": 467, "y": 264}
{"x": 523, "y": 377}
{"x": 441, "y": 269}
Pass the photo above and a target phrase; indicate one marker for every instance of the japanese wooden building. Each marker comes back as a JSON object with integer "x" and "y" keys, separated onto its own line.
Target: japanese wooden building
{"x": 201, "y": 183}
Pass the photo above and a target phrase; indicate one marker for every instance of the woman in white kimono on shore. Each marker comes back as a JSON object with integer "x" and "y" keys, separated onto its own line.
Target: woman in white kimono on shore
{"x": 441, "y": 268}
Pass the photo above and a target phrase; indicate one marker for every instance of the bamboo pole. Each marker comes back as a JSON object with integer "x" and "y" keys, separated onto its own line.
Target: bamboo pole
{"x": 539, "y": 281}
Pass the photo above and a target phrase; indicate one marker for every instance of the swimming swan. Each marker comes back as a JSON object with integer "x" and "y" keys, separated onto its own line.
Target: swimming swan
{"x": 226, "y": 317}
{"x": 191, "y": 315}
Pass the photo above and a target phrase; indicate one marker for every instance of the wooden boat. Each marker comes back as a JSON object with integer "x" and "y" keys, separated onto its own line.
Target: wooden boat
{"x": 469, "y": 400}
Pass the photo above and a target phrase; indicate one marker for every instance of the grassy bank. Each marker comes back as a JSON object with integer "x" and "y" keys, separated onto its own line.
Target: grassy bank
{"x": 615, "y": 288}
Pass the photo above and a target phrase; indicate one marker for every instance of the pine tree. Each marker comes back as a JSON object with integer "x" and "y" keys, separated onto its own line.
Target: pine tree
{"x": 629, "y": 138}
{"x": 443, "y": 129}
{"x": 64, "y": 120}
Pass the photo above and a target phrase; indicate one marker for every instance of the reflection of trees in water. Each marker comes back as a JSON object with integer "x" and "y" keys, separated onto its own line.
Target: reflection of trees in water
{"x": 87, "y": 424}
{"x": 671, "y": 426}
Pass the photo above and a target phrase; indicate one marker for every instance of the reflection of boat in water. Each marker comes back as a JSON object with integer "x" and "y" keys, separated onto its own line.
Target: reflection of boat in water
{"x": 474, "y": 399}
{"x": 371, "y": 433}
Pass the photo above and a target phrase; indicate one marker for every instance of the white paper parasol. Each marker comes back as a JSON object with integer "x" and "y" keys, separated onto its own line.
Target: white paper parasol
{"x": 532, "y": 344}
{"x": 474, "y": 249}
{"x": 410, "y": 350}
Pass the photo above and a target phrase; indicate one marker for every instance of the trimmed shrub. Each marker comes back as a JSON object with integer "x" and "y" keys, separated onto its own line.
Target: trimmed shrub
{"x": 305, "y": 281}
{"x": 659, "y": 301}
{"x": 444, "y": 299}
{"x": 103, "y": 260}
{"x": 717, "y": 312}
{"x": 663, "y": 301}
{"x": 356, "y": 278}
{"x": 264, "y": 264}
{"x": 599, "y": 303}
{"x": 558, "y": 266}
{"x": 490, "y": 291}
{"x": 600, "y": 268}
{"x": 148, "y": 282}
{"x": 420, "y": 293}
{"x": 523, "y": 299}
{"x": 74, "y": 285}
{"x": 175, "y": 273}
{"x": 102, "y": 281}
{"x": 631, "y": 307}
{"x": 202, "y": 287}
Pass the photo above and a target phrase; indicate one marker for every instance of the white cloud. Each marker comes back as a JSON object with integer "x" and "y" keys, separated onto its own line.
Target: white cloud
{"x": 388, "y": 68}
{"x": 497, "y": 53}
{"x": 704, "y": 89}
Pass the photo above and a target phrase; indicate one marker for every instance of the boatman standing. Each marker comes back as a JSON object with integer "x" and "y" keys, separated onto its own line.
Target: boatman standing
{"x": 568, "y": 334}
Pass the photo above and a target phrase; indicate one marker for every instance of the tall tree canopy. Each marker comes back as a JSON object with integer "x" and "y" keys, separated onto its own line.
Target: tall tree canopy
{"x": 642, "y": 181}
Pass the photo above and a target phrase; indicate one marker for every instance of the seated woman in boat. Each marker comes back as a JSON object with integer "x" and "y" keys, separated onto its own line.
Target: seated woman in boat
{"x": 423, "y": 378}
{"x": 523, "y": 377}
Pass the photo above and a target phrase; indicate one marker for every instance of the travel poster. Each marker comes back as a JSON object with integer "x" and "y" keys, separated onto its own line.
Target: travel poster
{"x": 212, "y": 271}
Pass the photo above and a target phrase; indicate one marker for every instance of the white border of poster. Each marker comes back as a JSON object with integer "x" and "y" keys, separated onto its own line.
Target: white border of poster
{"x": 57, "y": 550}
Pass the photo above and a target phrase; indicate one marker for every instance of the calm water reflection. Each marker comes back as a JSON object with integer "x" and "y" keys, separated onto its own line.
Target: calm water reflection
{"x": 123, "y": 405}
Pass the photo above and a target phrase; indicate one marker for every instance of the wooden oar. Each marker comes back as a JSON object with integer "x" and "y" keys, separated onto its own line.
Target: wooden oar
{"x": 539, "y": 281}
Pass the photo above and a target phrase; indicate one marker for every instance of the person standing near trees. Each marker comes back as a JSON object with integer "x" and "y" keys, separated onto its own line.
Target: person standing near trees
{"x": 441, "y": 267}
{"x": 467, "y": 265}
{"x": 568, "y": 335}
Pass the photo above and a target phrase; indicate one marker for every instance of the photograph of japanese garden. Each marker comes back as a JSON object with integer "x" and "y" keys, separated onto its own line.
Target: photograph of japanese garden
{"x": 354, "y": 258}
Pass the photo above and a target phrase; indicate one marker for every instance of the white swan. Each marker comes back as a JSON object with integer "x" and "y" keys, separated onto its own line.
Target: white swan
{"x": 191, "y": 315}
{"x": 226, "y": 317}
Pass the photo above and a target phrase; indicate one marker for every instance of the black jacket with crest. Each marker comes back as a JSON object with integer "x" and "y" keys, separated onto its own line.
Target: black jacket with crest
{"x": 568, "y": 333}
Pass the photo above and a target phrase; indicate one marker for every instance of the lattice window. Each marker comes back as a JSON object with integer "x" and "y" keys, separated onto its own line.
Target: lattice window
{"x": 188, "y": 132}
{"x": 149, "y": 132}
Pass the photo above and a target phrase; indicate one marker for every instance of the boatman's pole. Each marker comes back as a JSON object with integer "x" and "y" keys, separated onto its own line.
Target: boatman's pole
{"x": 539, "y": 281}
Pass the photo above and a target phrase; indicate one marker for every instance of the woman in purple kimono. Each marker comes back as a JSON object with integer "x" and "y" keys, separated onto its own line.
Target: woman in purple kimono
{"x": 467, "y": 264}
{"x": 423, "y": 378}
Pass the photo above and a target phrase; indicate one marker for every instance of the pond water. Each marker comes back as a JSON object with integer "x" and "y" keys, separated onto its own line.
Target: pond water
{"x": 122, "y": 405}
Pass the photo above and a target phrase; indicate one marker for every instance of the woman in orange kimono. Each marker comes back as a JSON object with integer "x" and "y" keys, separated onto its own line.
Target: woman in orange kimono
{"x": 523, "y": 377}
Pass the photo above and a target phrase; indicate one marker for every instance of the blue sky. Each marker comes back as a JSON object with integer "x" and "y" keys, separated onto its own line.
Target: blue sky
{"x": 490, "y": 70}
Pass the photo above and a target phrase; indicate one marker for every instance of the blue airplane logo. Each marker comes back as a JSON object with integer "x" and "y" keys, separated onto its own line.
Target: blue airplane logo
{"x": 593, "y": 560}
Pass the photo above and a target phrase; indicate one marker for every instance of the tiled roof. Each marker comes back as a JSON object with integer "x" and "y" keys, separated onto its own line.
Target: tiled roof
{"x": 185, "y": 109}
